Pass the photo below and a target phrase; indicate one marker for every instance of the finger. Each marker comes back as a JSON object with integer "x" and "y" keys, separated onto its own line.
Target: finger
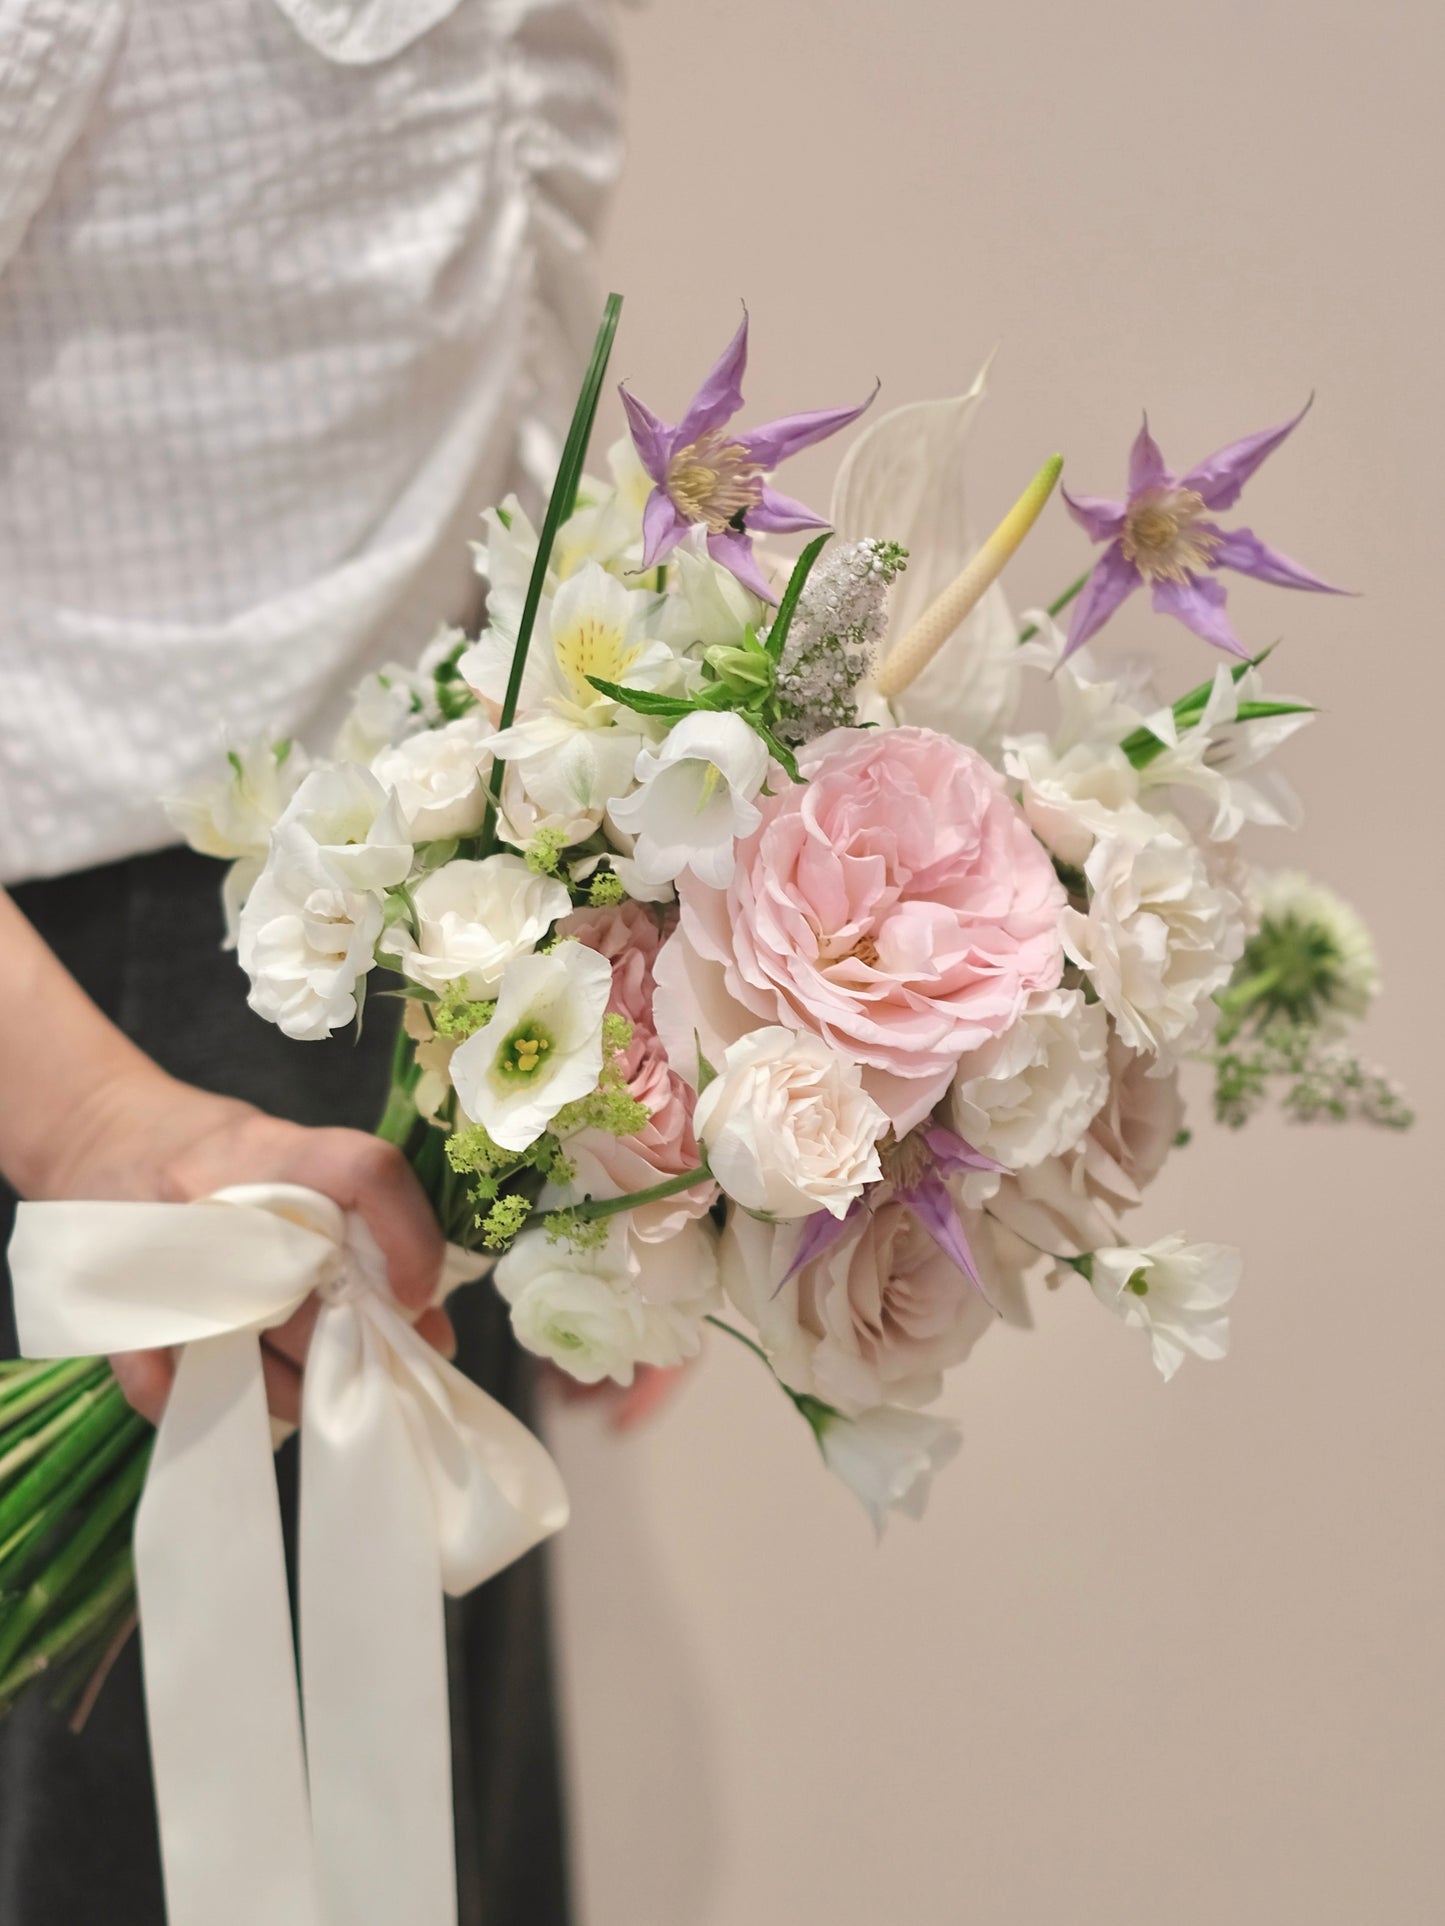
{"x": 436, "y": 1328}
{"x": 373, "y": 1178}
{"x": 283, "y": 1385}
{"x": 146, "y": 1378}
{"x": 645, "y": 1397}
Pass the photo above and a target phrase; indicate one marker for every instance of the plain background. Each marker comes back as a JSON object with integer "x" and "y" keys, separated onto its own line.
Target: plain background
{"x": 1158, "y": 1653}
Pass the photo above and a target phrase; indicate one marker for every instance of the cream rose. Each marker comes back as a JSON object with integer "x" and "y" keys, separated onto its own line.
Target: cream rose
{"x": 788, "y": 1126}
{"x": 1032, "y": 1092}
{"x": 438, "y": 778}
{"x": 472, "y": 919}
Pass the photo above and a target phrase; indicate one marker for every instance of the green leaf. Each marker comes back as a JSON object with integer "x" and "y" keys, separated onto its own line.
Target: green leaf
{"x": 646, "y": 702}
{"x": 780, "y": 751}
{"x": 559, "y": 506}
{"x": 705, "y": 1071}
{"x": 1143, "y": 746}
{"x": 802, "y": 569}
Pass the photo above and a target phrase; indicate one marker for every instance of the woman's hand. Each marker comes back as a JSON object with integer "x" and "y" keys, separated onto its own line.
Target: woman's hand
{"x": 143, "y": 1135}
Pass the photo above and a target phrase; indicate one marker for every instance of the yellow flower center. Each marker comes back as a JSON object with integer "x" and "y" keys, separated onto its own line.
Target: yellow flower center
{"x": 714, "y": 480}
{"x": 591, "y": 646}
{"x": 1162, "y": 536}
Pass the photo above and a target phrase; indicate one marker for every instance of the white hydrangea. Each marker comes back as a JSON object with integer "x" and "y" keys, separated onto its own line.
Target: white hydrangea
{"x": 1032, "y": 1092}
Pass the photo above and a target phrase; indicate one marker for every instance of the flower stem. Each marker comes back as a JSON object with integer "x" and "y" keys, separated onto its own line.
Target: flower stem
{"x": 398, "y": 1119}
{"x": 1057, "y": 606}
{"x": 592, "y": 1208}
{"x": 742, "y": 1338}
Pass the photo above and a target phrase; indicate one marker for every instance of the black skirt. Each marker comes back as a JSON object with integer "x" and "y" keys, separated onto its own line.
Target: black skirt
{"x": 77, "y": 1824}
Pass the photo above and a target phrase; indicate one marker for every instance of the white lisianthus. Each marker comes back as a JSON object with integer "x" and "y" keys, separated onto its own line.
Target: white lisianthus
{"x": 1032, "y": 1092}
{"x": 342, "y": 826}
{"x": 1158, "y": 940}
{"x": 472, "y": 919}
{"x": 601, "y": 1311}
{"x": 439, "y": 778}
{"x": 788, "y": 1126}
{"x": 233, "y": 815}
{"x": 542, "y": 1048}
{"x": 1173, "y": 1290}
{"x": 1074, "y": 798}
{"x": 886, "y": 1457}
{"x": 305, "y": 951}
{"x": 696, "y": 798}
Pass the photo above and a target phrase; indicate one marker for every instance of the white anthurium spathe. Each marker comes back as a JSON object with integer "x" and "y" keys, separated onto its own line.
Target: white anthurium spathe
{"x": 542, "y": 1048}
{"x": 472, "y": 919}
{"x": 341, "y": 826}
{"x": 886, "y": 1457}
{"x": 696, "y": 797}
{"x": 1214, "y": 756}
{"x": 439, "y": 778}
{"x": 1176, "y": 1291}
{"x": 305, "y": 945}
{"x": 904, "y": 480}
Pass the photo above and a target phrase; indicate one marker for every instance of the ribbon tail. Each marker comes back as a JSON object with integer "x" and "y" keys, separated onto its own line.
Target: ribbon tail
{"x": 373, "y": 1643}
{"x": 220, "y": 1690}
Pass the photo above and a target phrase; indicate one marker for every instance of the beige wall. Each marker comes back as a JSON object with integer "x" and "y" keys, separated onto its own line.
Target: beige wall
{"x": 1157, "y": 1654}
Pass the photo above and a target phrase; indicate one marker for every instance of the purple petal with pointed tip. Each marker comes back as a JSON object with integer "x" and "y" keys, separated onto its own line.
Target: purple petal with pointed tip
{"x": 721, "y": 394}
{"x": 1100, "y": 520}
{"x": 935, "y": 1209}
{"x": 662, "y": 527}
{"x": 735, "y": 552}
{"x": 952, "y": 1152}
{"x": 1146, "y": 463}
{"x": 1114, "y": 579}
{"x": 1220, "y": 477}
{"x": 1242, "y": 550}
{"x": 652, "y": 438}
{"x": 820, "y": 1233}
{"x": 774, "y": 441}
{"x": 778, "y": 514}
{"x": 1199, "y": 605}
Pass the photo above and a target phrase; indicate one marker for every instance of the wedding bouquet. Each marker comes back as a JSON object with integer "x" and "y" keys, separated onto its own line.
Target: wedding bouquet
{"x": 797, "y": 948}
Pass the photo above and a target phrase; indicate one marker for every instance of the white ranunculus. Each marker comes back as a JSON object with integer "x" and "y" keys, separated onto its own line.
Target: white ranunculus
{"x": 472, "y": 919}
{"x": 1074, "y": 798}
{"x": 1033, "y": 1092}
{"x": 305, "y": 951}
{"x": 788, "y": 1126}
{"x": 542, "y": 1048}
{"x": 1173, "y": 1290}
{"x": 439, "y": 778}
{"x": 696, "y": 798}
{"x": 342, "y": 826}
{"x": 887, "y": 1457}
{"x": 1158, "y": 940}
{"x": 600, "y": 1312}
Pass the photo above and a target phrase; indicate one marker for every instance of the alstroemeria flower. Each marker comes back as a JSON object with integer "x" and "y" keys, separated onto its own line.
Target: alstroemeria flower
{"x": 704, "y": 474}
{"x": 1163, "y": 535}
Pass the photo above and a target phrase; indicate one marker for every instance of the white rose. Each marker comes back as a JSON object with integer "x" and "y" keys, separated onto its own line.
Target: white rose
{"x": 1175, "y": 1291}
{"x": 788, "y": 1125}
{"x": 1033, "y": 1091}
{"x": 438, "y": 779}
{"x": 1158, "y": 940}
{"x": 600, "y": 1312}
{"x": 887, "y": 1457}
{"x": 472, "y": 919}
{"x": 305, "y": 952}
{"x": 542, "y": 1048}
{"x": 696, "y": 798}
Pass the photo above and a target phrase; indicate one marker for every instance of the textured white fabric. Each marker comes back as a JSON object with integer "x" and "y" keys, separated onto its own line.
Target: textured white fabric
{"x": 289, "y": 289}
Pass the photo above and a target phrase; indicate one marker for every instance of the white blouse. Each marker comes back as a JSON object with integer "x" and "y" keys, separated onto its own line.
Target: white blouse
{"x": 289, "y": 290}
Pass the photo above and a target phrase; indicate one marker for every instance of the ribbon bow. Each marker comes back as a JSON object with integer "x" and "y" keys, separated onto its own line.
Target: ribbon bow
{"x": 413, "y": 1482}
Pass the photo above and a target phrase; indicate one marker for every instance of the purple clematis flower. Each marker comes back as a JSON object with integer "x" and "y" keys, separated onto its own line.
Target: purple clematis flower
{"x": 914, "y": 1171}
{"x": 1163, "y": 534}
{"x": 703, "y": 473}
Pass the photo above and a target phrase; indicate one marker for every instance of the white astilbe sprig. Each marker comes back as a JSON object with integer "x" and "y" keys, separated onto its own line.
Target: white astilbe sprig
{"x": 835, "y": 637}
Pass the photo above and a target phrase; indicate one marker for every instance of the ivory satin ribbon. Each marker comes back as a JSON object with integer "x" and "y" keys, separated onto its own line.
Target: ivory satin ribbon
{"x": 413, "y": 1482}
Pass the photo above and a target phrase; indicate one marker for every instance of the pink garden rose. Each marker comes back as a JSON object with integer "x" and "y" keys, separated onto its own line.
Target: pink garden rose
{"x": 896, "y": 904}
{"x": 630, "y": 938}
